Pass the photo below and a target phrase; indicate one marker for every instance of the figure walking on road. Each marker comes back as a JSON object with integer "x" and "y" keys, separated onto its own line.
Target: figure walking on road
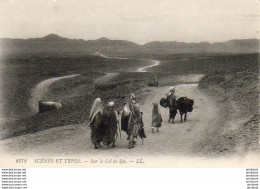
{"x": 172, "y": 104}
{"x": 95, "y": 123}
{"x": 156, "y": 118}
{"x": 110, "y": 121}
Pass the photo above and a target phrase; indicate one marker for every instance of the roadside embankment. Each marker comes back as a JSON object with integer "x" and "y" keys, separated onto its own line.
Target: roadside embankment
{"x": 237, "y": 94}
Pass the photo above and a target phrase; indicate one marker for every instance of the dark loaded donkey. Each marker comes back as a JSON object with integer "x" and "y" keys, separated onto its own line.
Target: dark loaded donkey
{"x": 185, "y": 105}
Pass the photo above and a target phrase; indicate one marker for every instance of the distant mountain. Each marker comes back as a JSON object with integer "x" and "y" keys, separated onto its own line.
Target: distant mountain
{"x": 52, "y": 37}
{"x": 114, "y": 46}
{"x": 52, "y": 44}
{"x": 55, "y": 44}
{"x": 232, "y": 46}
{"x": 240, "y": 46}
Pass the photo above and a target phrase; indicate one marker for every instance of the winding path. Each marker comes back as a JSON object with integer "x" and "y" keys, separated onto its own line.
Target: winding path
{"x": 41, "y": 90}
{"x": 173, "y": 139}
{"x": 154, "y": 63}
{"x": 171, "y": 146}
{"x": 142, "y": 69}
{"x": 104, "y": 56}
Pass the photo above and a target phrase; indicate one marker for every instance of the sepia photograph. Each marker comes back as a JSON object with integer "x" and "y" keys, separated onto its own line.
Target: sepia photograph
{"x": 140, "y": 83}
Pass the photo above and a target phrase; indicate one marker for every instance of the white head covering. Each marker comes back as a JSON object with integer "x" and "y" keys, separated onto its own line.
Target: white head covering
{"x": 132, "y": 96}
{"x": 111, "y": 104}
{"x": 126, "y": 109}
{"x": 172, "y": 90}
{"x": 96, "y": 107}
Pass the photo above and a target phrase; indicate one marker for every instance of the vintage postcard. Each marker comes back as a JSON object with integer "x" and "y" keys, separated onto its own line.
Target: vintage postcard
{"x": 131, "y": 83}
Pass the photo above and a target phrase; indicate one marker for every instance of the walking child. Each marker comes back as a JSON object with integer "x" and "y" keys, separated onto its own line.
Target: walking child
{"x": 156, "y": 118}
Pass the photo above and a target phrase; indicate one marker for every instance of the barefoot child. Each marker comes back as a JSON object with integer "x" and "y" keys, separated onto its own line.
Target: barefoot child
{"x": 156, "y": 118}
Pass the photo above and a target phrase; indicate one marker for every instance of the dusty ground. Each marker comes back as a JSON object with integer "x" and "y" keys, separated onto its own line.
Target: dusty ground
{"x": 219, "y": 126}
{"x": 173, "y": 139}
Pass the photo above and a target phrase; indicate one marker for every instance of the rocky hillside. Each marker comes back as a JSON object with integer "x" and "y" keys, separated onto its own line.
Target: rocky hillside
{"x": 237, "y": 94}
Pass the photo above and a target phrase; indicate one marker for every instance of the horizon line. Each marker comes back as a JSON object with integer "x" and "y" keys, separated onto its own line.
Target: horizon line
{"x": 129, "y": 40}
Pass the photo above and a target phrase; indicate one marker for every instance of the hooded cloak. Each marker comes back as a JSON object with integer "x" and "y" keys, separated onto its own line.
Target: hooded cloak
{"x": 110, "y": 121}
{"x": 156, "y": 116}
{"x": 96, "y": 108}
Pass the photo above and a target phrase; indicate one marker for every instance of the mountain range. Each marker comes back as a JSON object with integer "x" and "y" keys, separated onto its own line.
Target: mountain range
{"x": 55, "y": 44}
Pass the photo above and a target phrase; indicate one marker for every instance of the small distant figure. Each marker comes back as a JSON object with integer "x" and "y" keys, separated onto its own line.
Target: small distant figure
{"x": 155, "y": 78}
{"x": 110, "y": 121}
{"x": 153, "y": 82}
{"x": 156, "y": 118}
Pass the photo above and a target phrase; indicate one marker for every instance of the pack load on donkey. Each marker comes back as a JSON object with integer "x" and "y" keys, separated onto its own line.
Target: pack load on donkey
{"x": 164, "y": 102}
{"x": 183, "y": 104}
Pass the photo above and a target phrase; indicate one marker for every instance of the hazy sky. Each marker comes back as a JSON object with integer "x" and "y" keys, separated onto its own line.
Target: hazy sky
{"x": 139, "y": 21}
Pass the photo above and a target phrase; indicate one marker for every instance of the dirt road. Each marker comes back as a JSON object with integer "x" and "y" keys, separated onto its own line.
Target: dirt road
{"x": 142, "y": 69}
{"x": 154, "y": 63}
{"x": 41, "y": 90}
{"x": 173, "y": 139}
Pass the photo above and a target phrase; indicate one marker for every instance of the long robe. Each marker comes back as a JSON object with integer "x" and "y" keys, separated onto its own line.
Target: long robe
{"x": 110, "y": 122}
{"x": 156, "y": 117}
{"x": 135, "y": 119}
{"x": 97, "y": 130}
